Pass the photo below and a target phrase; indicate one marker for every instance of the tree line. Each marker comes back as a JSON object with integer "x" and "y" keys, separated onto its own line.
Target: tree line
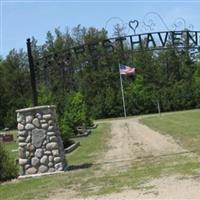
{"x": 88, "y": 85}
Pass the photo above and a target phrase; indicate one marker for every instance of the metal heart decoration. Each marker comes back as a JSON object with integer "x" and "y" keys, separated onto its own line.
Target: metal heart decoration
{"x": 133, "y": 25}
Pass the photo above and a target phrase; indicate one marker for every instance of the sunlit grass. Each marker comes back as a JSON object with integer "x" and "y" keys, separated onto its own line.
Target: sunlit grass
{"x": 184, "y": 127}
{"x": 92, "y": 180}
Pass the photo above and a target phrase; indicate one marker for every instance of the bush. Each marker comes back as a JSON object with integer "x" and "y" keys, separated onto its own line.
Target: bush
{"x": 44, "y": 96}
{"x": 75, "y": 114}
{"x": 8, "y": 168}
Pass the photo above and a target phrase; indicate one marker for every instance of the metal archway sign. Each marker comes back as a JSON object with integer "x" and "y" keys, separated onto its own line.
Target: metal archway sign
{"x": 149, "y": 41}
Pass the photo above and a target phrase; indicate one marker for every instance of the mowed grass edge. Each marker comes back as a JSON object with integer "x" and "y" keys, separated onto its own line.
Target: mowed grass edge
{"x": 184, "y": 127}
{"x": 83, "y": 157}
{"x": 92, "y": 180}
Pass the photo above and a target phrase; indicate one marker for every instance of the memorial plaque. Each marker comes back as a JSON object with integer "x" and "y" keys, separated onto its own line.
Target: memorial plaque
{"x": 38, "y": 137}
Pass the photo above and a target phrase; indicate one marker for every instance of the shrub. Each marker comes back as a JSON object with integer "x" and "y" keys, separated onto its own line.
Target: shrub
{"x": 75, "y": 114}
{"x": 8, "y": 168}
{"x": 44, "y": 96}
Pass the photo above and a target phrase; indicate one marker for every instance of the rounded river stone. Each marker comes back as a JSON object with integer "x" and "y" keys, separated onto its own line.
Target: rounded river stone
{"x": 31, "y": 170}
{"x": 36, "y": 122}
{"x": 43, "y": 169}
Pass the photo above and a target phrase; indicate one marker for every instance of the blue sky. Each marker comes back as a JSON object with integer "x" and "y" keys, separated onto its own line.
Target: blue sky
{"x": 22, "y": 19}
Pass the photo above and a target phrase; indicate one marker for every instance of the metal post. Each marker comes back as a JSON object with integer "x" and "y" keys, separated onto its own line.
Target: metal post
{"x": 32, "y": 74}
{"x": 122, "y": 90}
{"x": 158, "y": 105}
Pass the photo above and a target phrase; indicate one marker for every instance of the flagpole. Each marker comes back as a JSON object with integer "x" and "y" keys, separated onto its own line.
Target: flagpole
{"x": 122, "y": 90}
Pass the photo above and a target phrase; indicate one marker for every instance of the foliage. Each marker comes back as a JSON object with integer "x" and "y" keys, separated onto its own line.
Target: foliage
{"x": 8, "y": 169}
{"x": 44, "y": 96}
{"x": 15, "y": 90}
{"x": 75, "y": 114}
{"x": 170, "y": 77}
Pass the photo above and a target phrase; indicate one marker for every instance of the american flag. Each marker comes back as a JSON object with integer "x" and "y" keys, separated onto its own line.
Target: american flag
{"x": 126, "y": 70}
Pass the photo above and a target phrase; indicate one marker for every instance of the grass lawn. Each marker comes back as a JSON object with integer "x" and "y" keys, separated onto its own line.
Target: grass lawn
{"x": 92, "y": 180}
{"x": 91, "y": 146}
{"x": 184, "y": 127}
{"x": 83, "y": 157}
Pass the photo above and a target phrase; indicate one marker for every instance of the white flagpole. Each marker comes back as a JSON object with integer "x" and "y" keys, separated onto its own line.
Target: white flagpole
{"x": 122, "y": 90}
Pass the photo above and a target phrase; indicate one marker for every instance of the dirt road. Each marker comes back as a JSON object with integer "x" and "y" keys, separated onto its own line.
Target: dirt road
{"x": 130, "y": 140}
{"x": 169, "y": 188}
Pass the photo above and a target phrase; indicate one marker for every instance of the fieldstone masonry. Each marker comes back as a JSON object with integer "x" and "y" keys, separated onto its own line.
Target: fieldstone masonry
{"x": 40, "y": 145}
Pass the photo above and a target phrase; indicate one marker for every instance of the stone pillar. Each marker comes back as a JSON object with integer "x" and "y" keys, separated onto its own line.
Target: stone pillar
{"x": 40, "y": 144}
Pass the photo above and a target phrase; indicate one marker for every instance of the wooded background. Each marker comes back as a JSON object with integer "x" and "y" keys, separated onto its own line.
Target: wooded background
{"x": 89, "y": 85}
